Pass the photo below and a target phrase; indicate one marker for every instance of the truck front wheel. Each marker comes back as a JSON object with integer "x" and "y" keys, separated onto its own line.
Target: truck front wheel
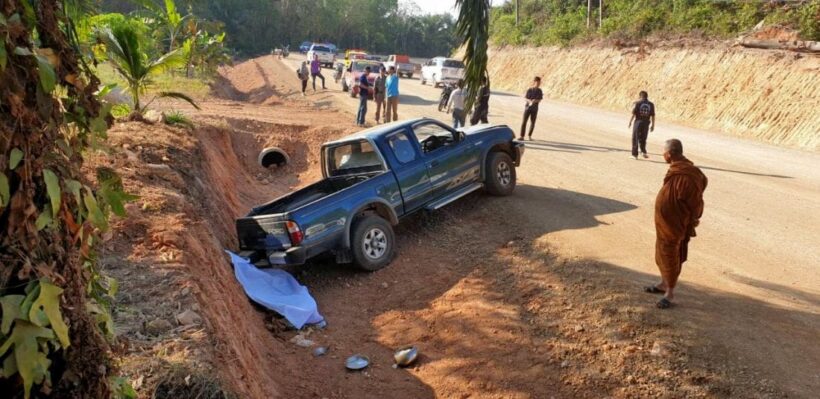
{"x": 373, "y": 243}
{"x": 500, "y": 176}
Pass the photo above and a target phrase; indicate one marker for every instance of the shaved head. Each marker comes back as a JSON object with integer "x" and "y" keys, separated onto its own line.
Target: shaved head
{"x": 674, "y": 147}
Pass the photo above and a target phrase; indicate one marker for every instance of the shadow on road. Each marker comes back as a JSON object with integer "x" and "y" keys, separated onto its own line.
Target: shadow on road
{"x": 736, "y": 171}
{"x": 415, "y": 100}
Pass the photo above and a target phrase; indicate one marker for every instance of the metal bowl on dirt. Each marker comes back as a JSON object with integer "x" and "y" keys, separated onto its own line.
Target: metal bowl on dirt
{"x": 357, "y": 362}
{"x": 405, "y": 356}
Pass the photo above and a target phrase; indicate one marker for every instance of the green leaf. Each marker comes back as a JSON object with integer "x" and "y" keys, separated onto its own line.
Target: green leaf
{"x": 49, "y": 302}
{"x": 11, "y": 311}
{"x": 44, "y": 219}
{"x": 48, "y": 78}
{"x": 9, "y": 367}
{"x": 15, "y": 158}
{"x": 102, "y": 317}
{"x": 95, "y": 214}
{"x": 26, "y": 352}
{"x": 178, "y": 96}
{"x": 5, "y": 195}
{"x": 22, "y": 51}
{"x": 53, "y": 188}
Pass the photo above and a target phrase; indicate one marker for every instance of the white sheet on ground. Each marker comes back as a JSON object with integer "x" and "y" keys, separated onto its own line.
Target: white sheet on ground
{"x": 277, "y": 290}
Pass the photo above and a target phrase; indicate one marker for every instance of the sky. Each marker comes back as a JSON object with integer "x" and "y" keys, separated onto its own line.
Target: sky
{"x": 441, "y": 6}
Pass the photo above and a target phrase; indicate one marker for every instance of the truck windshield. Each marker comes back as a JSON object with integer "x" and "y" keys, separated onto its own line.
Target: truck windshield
{"x": 322, "y": 49}
{"x": 453, "y": 64}
{"x": 352, "y": 158}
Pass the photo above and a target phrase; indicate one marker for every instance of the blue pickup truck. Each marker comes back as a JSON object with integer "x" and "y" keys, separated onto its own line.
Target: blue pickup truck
{"x": 372, "y": 179}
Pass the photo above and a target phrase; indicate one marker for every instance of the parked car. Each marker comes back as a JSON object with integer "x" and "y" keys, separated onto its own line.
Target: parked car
{"x": 350, "y": 82}
{"x": 402, "y": 63}
{"x": 326, "y": 56}
{"x": 305, "y": 47}
{"x": 440, "y": 69}
{"x": 354, "y": 54}
{"x": 373, "y": 179}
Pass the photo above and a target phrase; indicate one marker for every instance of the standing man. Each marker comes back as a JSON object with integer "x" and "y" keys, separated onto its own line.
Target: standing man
{"x": 482, "y": 107}
{"x": 304, "y": 75}
{"x": 643, "y": 114}
{"x": 457, "y": 104}
{"x": 533, "y": 96}
{"x": 316, "y": 71}
{"x": 678, "y": 208}
{"x": 391, "y": 112}
{"x": 364, "y": 86}
{"x": 378, "y": 93}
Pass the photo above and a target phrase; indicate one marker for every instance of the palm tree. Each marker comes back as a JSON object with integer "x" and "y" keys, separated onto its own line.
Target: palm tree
{"x": 125, "y": 54}
{"x": 473, "y": 27}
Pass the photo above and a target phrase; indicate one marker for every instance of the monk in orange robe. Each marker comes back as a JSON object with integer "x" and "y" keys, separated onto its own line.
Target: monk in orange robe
{"x": 678, "y": 209}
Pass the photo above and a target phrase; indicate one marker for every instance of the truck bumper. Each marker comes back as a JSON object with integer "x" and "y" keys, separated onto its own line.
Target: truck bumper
{"x": 519, "y": 152}
{"x": 291, "y": 256}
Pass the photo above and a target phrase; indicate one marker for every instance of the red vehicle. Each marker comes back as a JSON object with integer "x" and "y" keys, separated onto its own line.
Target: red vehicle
{"x": 357, "y": 67}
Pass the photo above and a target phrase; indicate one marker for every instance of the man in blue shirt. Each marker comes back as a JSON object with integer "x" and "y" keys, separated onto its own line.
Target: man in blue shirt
{"x": 364, "y": 86}
{"x": 392, "y": 90}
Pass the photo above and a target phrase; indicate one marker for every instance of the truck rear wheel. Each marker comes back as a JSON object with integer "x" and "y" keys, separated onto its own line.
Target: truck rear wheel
{"x": 500, "y": 176}
{"x": 373, "y": 243}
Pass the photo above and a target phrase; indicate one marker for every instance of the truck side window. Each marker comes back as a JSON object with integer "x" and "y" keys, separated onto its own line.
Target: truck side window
{"x": 402, "y": 148}
{"x": 431, "y": 136}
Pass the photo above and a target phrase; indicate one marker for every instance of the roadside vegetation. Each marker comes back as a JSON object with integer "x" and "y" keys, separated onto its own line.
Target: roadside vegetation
{"x": 255, "y": 27}
{"x": 564, "y": 22}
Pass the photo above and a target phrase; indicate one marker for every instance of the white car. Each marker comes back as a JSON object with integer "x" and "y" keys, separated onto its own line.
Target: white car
{"x": 326, "y": 56}
{"x": 441, "y": 70}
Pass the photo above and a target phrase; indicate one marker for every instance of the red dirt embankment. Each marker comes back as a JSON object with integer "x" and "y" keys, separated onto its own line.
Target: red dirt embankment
{"x": 772, "y": 96}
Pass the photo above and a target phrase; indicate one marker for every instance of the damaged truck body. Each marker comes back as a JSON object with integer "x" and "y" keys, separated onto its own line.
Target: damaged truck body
{"x": 372, "y": 179}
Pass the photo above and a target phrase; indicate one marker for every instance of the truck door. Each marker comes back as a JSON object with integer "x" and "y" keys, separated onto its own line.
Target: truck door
{"x": 410, "y": 170}
{"x": 450, "y": 164}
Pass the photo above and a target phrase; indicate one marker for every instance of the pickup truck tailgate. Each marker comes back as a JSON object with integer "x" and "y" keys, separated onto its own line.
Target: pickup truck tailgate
{"x": 262, "y": 232}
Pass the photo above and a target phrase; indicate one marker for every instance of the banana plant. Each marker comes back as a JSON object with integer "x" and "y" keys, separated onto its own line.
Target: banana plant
{"x": 171, "y": 20}
{"x": 124, "y": 52}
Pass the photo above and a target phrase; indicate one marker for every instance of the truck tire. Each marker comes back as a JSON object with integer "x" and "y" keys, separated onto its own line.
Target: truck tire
{"x": 421, "y": 79}
{"x": 373, "y": 243}
{"x": 500, "y": 176}
{"x": 344, "y": 86}
{"x": 435, "y": 83}
{"x": 409, "y": 76}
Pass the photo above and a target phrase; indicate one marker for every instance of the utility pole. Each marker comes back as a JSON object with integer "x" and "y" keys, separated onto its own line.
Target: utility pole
{"x": 589, "y": 9}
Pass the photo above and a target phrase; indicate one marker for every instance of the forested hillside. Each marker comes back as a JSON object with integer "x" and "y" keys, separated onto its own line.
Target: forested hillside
{"x": 380, "y": 26}
{"x": 564, "y": 22}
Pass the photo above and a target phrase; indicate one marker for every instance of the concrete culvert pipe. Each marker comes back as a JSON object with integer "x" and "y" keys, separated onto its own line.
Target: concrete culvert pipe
{"x": 273, "y": 156}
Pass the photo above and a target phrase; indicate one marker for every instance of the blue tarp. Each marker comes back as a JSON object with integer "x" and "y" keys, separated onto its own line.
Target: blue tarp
{"x": 277, "y": 290}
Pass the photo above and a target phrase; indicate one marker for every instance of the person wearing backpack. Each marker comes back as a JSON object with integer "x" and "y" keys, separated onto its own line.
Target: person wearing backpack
{"x": 304, "y": 74}
{"x": 643, "y": 114}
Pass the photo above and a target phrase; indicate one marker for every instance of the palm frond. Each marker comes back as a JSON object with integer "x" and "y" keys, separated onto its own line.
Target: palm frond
{"x": 178, "y": 96}
{"x": 473, "y": 27}
{"x": 174, "y": 59}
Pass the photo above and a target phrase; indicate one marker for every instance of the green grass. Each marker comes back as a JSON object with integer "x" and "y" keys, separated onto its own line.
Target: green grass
{"x": 197, "y": 88}
{"x": 176, "y": 118}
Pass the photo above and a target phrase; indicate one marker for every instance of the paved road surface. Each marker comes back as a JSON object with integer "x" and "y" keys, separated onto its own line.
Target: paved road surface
{"x": 759, "y": 238}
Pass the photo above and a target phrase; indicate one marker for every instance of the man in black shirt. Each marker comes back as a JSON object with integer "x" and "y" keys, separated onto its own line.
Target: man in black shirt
{"x": 643, "y": 114}
{"x": 533, "y": 96}
{"x": 482, "y": 105}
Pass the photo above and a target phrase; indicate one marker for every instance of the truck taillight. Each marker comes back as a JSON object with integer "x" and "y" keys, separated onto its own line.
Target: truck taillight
{"x": 295, "y": 233}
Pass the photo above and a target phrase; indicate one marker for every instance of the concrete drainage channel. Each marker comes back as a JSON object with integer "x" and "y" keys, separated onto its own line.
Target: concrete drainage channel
{"x": 273, "y": 156}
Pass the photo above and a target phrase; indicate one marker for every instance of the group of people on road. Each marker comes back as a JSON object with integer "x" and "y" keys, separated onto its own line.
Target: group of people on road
{"x": 310, "y": 69}
{"x": 385, "y": 90}
{"x": 678, "y": 205}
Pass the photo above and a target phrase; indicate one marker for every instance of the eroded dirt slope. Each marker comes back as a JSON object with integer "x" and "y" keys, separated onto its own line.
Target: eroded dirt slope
{"x": 764, "y": 95}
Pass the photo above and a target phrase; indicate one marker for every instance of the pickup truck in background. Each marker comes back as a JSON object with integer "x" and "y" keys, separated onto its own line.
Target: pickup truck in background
{"x": 350, "y": 80}
{"x": 402, "y": 63}
{"x": 327, "y": 56}
{"x": 373, "y": 179}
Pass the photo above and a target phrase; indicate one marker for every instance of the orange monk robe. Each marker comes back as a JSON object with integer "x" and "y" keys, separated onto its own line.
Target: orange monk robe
{"x": 678, "y": 208}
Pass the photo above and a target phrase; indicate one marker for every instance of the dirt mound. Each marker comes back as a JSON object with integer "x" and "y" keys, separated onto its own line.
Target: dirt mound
{"x": 769, "y": 96}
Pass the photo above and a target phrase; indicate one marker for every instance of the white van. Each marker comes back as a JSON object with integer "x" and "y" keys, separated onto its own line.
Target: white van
{"x": 442, "y": 70}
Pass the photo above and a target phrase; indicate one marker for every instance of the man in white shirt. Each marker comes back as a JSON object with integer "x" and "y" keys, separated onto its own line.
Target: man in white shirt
{"x": 457, "y": 104}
